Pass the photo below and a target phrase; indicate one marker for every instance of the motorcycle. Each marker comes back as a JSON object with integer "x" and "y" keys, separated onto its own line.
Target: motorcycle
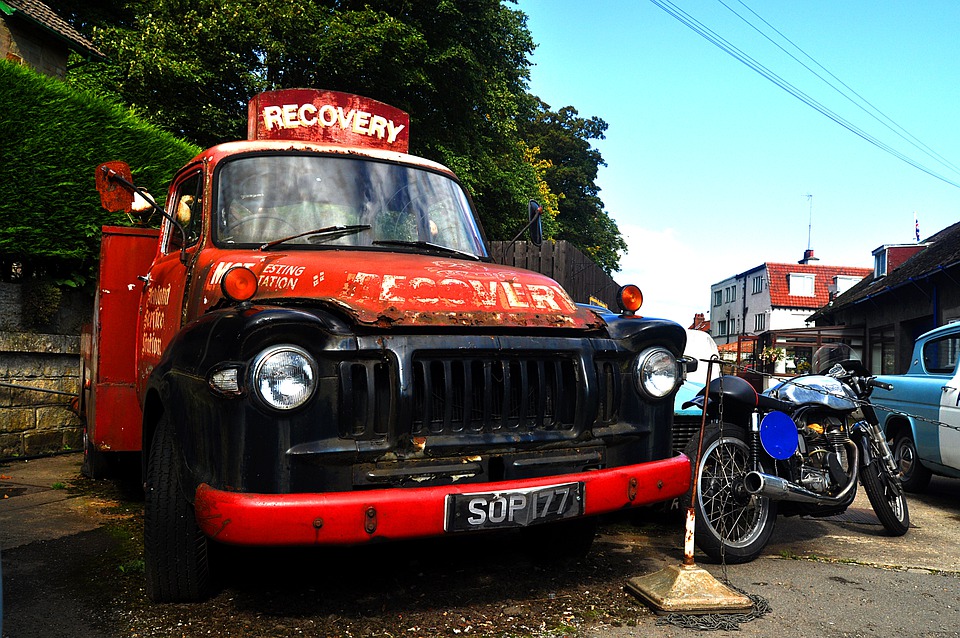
{"x": 800, "y": 448}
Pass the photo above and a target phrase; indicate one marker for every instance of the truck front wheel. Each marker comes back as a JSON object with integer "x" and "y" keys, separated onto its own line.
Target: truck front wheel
{"x": 175, "y": 550}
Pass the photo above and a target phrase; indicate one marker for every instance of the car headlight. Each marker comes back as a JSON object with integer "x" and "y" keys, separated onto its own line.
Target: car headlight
{"x": 284, "y": 376}
{"x": 656, "y": 373}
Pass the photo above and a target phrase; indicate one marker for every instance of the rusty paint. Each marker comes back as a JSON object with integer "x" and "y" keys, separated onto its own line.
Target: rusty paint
{"x": 327, "y": 117}
{"x": 688, "y": 537}
{"x": 388, "y": 293}
{"x": 632, "y": 489}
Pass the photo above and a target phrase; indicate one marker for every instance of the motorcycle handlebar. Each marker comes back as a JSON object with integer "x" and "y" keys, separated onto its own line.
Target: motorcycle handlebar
{"x": 873, "y": 383}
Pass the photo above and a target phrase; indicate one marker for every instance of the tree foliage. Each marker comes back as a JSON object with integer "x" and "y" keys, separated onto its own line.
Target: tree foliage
{"x": 563, "y": 138}
{"x": 459, "y": 68}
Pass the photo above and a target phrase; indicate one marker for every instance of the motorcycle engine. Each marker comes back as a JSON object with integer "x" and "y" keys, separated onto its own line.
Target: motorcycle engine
{"x": 825, "y": 464}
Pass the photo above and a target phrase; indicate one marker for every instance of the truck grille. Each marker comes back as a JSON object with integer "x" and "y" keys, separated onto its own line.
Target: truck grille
{"x": 489, "y": 394}
{"x": 684, "y": 429}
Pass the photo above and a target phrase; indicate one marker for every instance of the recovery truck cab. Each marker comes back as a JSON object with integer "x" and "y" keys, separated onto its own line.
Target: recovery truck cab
{"x": 315, "y": 348}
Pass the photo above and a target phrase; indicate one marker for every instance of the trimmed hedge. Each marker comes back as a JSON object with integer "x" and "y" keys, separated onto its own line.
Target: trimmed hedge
{"x": 51, "y": 140}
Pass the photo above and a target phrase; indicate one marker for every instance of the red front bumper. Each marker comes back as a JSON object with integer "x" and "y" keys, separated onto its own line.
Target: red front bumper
{"x": 347, "y": 518}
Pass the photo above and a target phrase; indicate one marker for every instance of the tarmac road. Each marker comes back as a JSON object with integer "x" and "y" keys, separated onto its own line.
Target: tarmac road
{"x": 827, "y": 578}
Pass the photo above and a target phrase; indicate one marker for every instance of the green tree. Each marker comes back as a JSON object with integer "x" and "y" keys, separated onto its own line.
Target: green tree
{"x": 563, "y": 138}
{"x": 461, "y": 70}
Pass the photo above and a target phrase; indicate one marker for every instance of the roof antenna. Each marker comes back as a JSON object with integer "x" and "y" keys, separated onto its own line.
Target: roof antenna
{"x": 808, "y": 253}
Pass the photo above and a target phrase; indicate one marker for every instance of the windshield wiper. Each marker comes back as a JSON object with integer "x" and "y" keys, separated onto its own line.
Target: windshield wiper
{"x": 330, "y": 232}
{"x": 425, "y": 245}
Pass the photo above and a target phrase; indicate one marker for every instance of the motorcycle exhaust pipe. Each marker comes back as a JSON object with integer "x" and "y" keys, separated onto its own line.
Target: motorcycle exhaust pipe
{"x": 778, "y": 489}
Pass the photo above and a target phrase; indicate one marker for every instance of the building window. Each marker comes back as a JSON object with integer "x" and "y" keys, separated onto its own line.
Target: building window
{"x": 717, "y": 297}
{"x": 721, "y": 328}
{"x": 733, "y": 293}
{"x": 757, "y": 284}
{"x": 882, "y": 350}
{"x": 760, "y": 323}
{"x": 880, "y": 264}
{"x": 801, "y": 285}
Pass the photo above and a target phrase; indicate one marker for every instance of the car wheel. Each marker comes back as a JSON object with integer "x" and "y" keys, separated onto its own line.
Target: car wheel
{"x": 914, "y": 476}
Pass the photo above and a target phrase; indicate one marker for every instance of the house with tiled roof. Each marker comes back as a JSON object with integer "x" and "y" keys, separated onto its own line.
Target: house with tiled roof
{"x": 32, "y": 34}
{"x": 913, "y": 289}
{"x": 776, "y": 296}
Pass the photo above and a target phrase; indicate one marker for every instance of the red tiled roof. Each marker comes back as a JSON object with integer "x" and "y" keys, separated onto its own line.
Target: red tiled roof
{"x": 779, "y": 277}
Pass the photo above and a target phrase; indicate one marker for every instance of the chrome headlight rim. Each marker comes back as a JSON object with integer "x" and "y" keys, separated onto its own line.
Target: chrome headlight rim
{"x": 657, "y": 373}
{"x": 262, "y": 364}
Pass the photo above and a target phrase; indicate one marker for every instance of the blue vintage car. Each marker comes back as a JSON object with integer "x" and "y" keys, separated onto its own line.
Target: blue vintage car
{"x": 922, "y": 412}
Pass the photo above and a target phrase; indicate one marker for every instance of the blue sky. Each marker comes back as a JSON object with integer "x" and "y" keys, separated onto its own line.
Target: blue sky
{"x": 709, "y": 164}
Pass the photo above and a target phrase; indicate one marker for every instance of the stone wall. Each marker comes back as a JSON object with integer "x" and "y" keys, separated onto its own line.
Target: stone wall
{"x": 33, "y": 422}
{"x": 40, "y": 374}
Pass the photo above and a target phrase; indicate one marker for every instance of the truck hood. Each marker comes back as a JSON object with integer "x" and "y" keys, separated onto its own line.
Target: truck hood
{"x": 401, "y": 289}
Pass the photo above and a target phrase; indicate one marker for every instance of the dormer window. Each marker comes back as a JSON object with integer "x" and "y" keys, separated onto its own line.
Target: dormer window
{"x": 879, "y": 264}
{"x": 801, "y": 285}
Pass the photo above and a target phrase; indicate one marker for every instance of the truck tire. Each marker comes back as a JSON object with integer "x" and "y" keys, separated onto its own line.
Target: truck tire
{"x": 175, "y": 550}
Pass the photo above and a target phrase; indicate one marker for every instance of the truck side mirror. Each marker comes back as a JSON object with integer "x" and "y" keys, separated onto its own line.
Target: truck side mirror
{"x": 114, "y": 183}
{"x": 535, "y": 213}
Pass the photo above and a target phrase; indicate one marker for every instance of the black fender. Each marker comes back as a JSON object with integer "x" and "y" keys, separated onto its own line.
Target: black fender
{"x": 861, "y": 436}
{"x": 635, "y": 331}
{"x": 178, "y": 385}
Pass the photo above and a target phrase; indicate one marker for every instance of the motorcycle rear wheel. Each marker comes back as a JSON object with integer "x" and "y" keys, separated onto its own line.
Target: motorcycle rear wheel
{"x": 888, "y": 500}
{"x": 732, "y": 526}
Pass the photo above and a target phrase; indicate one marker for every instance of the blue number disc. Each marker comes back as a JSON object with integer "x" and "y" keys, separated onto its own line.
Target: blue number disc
{"x": 778, "y": 435}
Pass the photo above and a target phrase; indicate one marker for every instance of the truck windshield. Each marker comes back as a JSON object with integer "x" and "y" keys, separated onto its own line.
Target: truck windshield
{"x": 265, "y": 198}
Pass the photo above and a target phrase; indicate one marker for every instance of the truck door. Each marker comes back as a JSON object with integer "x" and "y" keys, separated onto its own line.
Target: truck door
{"x": 950, "y": 407}
{"x": 161, "y": 304}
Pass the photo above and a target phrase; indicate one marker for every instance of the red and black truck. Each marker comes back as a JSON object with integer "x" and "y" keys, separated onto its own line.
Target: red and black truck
{"x": 315, "y": 348}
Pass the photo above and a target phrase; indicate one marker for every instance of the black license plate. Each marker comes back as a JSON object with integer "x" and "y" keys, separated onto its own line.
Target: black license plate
{"x": 516, "y": 508}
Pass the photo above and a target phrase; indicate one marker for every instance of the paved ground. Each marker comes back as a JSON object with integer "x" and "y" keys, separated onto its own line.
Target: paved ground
{"x": 821, "y": 577}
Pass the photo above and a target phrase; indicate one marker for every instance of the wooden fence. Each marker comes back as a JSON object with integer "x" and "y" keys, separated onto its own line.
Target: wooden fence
{"x": 562, "y": 261}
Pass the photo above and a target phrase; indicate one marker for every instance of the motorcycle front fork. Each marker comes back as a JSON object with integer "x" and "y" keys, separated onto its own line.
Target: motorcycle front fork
{"x": 880, "y": 445}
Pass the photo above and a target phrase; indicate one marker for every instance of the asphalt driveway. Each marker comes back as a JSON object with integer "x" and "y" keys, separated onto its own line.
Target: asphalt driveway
{"x": 72, "y": 567}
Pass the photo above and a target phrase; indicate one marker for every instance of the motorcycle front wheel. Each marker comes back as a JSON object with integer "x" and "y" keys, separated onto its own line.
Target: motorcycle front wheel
{"x": 887, "y": 498}
{"x": 732, "y": 525}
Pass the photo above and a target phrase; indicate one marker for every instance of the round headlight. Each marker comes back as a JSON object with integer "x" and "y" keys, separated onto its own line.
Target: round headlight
{"x": 284, "y": 377}
{"x": 657, "y": 373}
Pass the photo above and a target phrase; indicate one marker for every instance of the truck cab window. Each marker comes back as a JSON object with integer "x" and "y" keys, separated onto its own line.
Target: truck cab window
{"x": 186, "y": 207}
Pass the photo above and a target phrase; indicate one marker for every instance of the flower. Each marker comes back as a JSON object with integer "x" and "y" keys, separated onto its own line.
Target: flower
{"x": 771, "y": 354}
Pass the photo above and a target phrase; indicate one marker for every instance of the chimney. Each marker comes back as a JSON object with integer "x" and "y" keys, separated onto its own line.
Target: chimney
{"x": 808, "y": 257}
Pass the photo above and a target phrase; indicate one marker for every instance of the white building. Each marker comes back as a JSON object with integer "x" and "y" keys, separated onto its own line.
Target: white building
{"x": 775, "y": 296}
